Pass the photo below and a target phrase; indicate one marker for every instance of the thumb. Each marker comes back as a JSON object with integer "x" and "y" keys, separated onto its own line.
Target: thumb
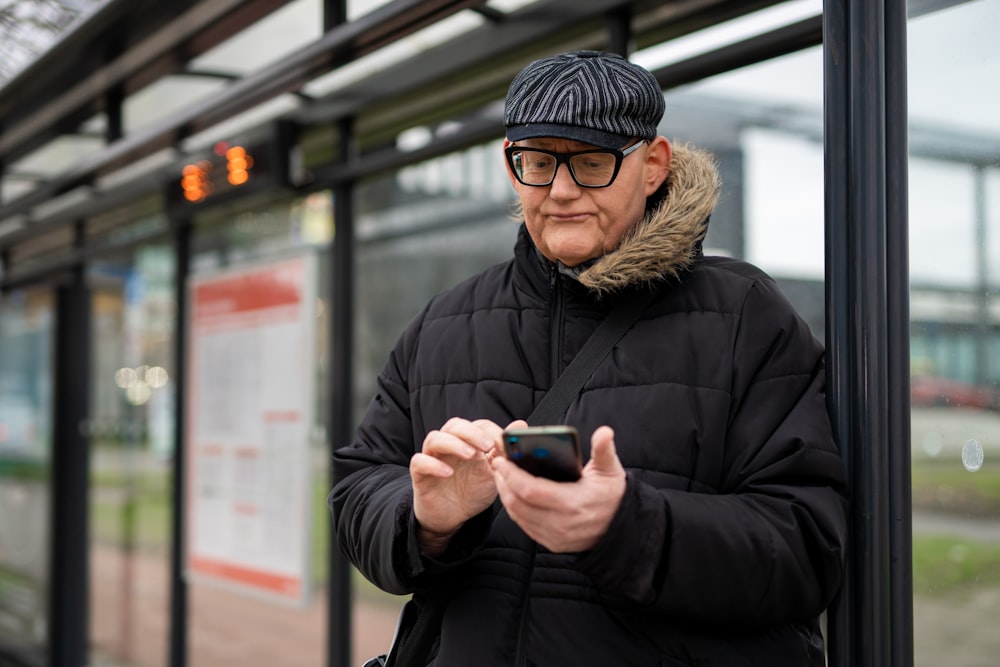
{"x": 603, "y": 456}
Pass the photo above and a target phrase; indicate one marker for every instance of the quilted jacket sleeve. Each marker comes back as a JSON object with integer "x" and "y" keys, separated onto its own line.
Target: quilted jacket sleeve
{"x": 767, "y": 549}
{"x": 372, "y": 498}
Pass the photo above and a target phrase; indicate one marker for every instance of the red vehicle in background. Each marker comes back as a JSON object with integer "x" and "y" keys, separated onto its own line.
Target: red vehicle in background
{"x": 929, "y": 390}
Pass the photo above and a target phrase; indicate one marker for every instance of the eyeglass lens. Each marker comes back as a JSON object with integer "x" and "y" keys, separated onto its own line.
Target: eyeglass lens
{"x": 594, "y": 169}
{"x": 589, "y": 169}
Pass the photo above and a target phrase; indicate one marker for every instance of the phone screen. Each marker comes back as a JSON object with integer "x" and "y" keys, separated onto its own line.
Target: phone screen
{"x": 547, "y": 451}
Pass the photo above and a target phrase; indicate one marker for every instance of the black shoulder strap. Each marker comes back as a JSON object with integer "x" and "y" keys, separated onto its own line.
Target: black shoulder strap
{"x": 553, "y": 405}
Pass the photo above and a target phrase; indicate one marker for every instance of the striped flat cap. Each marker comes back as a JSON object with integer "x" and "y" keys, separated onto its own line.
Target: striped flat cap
{"x": 590, "y": 96}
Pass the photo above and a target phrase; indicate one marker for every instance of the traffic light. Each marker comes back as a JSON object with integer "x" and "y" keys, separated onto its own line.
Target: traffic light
{"x": 238, "y": 164}
{"x": 195, "y": 181}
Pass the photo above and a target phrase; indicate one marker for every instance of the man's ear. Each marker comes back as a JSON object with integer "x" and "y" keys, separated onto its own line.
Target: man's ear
{"x": 658, "y": 157}
{"x": 510, "y": 174}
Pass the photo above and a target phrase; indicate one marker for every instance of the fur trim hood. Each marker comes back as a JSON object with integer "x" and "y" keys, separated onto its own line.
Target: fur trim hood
{"x": 668, "y": 239}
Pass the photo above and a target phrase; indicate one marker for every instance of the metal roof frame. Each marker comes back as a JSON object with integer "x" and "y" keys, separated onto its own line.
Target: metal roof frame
{"x": 122, "y": 47}
{"x": 382, "y": 102}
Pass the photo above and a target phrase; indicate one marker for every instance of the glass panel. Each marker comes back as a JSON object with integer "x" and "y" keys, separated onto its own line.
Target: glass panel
{"x": 166, "y": 98}
{"x": 373, "y": 63}
{"x": 267, "y": 41}
{"x": 942, "y": 254}
{"x": 54, "y": 156}
{"x": 266, "y": 229}
{"x": 358, "y": 8}
{"x": 258, "y": 629}
{"x": 955, "y": 331}
{"x": 131, "y": 427}
{"x": 991, "y": 220}
{"x": 239, "y": 123}
{"x": 420, "y": 230}
{"x": 784, "y": 201}
{"x": 26, "y": 320}
{"x": 728, "y": 32}
{"x": 509, "y": 6}
{"x": 764, "y": 125}
{"x": 14, "y": 186}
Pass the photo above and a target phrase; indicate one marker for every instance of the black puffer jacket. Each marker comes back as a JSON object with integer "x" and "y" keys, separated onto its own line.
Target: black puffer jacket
{"x": 729, "y": 541}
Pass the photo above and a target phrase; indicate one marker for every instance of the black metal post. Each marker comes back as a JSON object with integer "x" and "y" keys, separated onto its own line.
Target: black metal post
{"x": 868, "y": 322}
{"x": 113, "y": 101}
{"x": 341, "y": 346}
{"x": 69, "y": 529}
{"x": 868, "y": 368}
{"x": 898, "y": 334}
{"x": 837, "y": 286}
{"x": 340, "y": 373}
{"x": 178, "y": 587}
{"x": 620, "y": 31}
{"x": 334, "y": 14}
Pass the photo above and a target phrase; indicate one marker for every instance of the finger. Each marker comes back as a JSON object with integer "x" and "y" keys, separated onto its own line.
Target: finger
{"x": 506, "y": 496}
{"x": 518, "y": 510}
{"x": 508, "y": 469}
{"x": 531, "y": 519}
{"x": 502, "y": 466}
{"x": 603, "y": 454}
{"x": 429, "y": 466}
{"x": 493, "y": 435}
{"x": 476, "y": 434}
{"x": 505, "y": 472}
{"x": 533, "y": 491}
{"x": 501, "y": 449}
{"x": 440, "y": 443}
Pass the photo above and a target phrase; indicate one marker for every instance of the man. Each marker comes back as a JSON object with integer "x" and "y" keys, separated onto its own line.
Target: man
{"x": 709, "y": 522}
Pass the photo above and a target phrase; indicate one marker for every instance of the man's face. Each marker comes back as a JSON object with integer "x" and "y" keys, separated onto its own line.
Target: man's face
{"x": 572, "y": 224}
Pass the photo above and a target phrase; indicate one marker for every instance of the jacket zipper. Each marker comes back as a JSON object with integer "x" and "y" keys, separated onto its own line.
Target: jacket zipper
{"x": 557, "y": 315}
{"x": 521, "y": 658}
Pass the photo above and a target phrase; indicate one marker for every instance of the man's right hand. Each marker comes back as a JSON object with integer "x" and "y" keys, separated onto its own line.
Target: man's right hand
{"x": 452, "y": 479}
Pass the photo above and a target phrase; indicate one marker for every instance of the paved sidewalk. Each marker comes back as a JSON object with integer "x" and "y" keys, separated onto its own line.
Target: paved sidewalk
{"x": 228, "y": 628}
{"x": 225, "y": 628}
{"x": 936, "y": 523}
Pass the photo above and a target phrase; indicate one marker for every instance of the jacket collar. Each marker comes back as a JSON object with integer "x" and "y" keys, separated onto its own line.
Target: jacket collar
{"x": 668, "y": 240}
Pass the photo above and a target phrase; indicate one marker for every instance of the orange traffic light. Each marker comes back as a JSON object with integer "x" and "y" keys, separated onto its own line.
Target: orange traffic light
{"x": 194, "y": 181}
{"x": 238, "y": 164}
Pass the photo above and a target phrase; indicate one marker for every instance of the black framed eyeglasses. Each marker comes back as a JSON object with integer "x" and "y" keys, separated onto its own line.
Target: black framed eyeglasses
{"x": 595, "y": 168}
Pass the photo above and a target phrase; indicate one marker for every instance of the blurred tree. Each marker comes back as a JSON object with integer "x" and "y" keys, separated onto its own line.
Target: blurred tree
{"x": 29, "y": 27}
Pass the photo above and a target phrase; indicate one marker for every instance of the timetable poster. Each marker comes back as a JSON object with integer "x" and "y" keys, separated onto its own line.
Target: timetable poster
{"x": 251, "y": 392}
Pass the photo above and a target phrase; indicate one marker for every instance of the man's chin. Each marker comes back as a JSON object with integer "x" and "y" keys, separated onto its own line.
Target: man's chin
{"x": 572, "y": 260}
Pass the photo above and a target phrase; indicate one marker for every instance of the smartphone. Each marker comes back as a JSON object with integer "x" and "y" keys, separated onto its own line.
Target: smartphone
{"x": 546, "y": 451}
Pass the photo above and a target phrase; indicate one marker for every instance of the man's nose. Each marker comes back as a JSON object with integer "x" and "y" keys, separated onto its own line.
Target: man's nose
{"x": 563, "y": 184}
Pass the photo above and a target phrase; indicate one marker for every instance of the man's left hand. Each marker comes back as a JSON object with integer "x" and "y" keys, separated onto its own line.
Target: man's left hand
{"x": 565, "y": 517}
